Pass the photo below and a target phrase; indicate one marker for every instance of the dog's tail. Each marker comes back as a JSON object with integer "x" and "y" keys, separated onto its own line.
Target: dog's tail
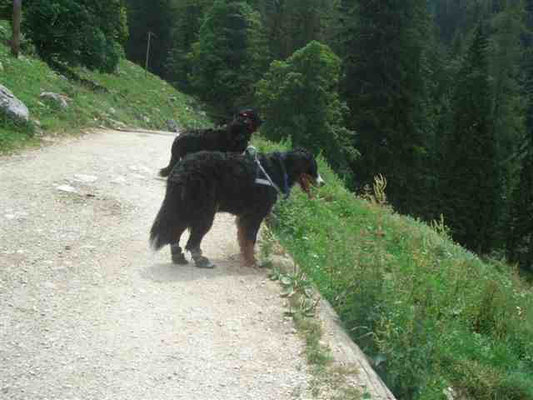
{"x": 164, "y": 172}
{"x": 166, "y": 224}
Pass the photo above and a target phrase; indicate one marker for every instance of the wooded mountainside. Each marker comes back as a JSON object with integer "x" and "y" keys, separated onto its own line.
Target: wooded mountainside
{"x": 435, "y": 95}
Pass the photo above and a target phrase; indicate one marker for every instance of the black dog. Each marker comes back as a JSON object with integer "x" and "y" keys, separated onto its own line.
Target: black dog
{"x": 205, "y": 183}
{"x": 233, "y": 137}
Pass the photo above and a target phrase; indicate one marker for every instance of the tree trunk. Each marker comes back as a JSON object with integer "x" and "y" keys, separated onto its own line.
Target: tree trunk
{"x": 15, "y": 40}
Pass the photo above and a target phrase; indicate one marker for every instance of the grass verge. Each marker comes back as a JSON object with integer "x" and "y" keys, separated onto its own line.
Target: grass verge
{"x": 329, "y": 380}
{"x": 132, "y": 98}
{"x": 434, "y": 317}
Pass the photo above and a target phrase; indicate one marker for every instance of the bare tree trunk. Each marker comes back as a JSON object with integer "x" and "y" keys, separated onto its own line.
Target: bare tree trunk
{"x": 15, "y": 40}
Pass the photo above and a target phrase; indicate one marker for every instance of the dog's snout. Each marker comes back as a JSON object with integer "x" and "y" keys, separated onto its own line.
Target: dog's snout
{"x": 320, "y": 181}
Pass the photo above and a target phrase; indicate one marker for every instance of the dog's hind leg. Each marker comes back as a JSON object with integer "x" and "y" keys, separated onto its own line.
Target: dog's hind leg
{"x": 175, "y": 250}
{"x": 198, "y": 231}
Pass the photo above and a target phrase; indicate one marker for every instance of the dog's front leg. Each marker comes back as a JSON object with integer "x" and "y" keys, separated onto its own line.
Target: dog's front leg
{"x": 247, "y": 229}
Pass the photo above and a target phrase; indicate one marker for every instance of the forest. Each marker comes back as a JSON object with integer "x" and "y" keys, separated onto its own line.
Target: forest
{"x": 436, "y": 96}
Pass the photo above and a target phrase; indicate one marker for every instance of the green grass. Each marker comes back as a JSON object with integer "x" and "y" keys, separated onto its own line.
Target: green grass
{"x": 133, "y": 98}
{"x": 431, "y": 315}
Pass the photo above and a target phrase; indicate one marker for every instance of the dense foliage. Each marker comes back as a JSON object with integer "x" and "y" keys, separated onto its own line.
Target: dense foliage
{"x": 300, "y": 100}
{"x": 410, "y": 76}
{"x": 154, "y": 18}
{"x": 229, "y": 57}
{"x": 88, "y": 32}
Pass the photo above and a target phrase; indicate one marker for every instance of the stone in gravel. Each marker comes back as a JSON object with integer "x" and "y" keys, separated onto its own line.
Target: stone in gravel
{"x": 85, "y": 178}
{"x": 119, "y": 179}
{"x": 66, "y": 188}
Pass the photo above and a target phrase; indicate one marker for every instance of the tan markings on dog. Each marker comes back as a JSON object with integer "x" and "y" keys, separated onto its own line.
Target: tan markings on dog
{"x": 246, "y": 245}
{"x": 304, "y": 181}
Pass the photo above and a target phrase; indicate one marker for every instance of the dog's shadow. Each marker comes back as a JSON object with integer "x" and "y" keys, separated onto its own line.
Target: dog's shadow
{"x": 168, "y": 272}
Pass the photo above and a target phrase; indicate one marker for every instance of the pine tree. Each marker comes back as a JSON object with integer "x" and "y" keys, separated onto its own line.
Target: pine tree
{"x": 188, "y": 18}
{"x": 520, "y": 225}
{"x": 470, "y": 187}
{"x": 384, "y": 57}
{"x": 508, "y": 105}
{"x": 229, "y": 57}
{"x": 292, "y": 24}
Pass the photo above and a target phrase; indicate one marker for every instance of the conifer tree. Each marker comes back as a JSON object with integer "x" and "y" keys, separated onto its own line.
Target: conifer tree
{"x": 292, "y": 24}
{"x": 470, "y": 188}
{"x": 188, "y": 18}
{"x": 230, "y": 56}
{"x": 384, "y": 57}
{"x": 520, "y": 226}
{"x": 507, "y": 101}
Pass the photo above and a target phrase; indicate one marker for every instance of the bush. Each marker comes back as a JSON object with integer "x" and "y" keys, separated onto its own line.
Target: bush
{"x": 88, "y": 32}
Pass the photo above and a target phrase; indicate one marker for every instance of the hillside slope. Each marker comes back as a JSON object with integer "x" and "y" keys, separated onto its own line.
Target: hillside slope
{"x": 435, "y": 319}
{"x": 130, "y": 97}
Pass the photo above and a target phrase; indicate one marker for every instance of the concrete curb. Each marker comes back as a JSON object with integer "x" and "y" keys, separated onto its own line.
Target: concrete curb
{"x": 345, "y": 352}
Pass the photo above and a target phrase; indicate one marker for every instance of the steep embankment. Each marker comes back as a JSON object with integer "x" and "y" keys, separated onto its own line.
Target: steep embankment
{"x": 434, "y": 317}
{"x": 129, "y": 97}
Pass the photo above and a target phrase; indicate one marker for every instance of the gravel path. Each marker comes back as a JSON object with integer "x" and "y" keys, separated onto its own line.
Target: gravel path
{"x": 87, "y": 311}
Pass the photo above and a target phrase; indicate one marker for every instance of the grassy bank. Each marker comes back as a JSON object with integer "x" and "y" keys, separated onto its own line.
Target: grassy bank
{"x": 432, "y": 316}
{"x": 130, "y": 98}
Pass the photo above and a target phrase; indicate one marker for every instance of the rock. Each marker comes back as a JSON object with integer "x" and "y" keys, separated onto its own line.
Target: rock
{"x": 85, "y": 178}
{"x": 112, "y": 110}
{"x": 146, "y": 119}
{"x": 66, "y": 188}
{"x": 13, "y": 107}
{"x": 60, "y": 99}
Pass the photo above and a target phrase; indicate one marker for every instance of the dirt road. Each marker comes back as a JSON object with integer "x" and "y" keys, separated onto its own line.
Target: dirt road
{"x": 87, "y": 311}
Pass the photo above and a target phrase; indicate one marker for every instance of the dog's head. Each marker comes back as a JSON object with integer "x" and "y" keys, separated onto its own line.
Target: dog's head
{"x": 302, "y": 168}
{"x": 249, "y": 118}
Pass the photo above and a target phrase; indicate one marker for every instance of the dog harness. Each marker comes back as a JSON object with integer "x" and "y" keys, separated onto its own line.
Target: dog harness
{"x": 267, "y": 181}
